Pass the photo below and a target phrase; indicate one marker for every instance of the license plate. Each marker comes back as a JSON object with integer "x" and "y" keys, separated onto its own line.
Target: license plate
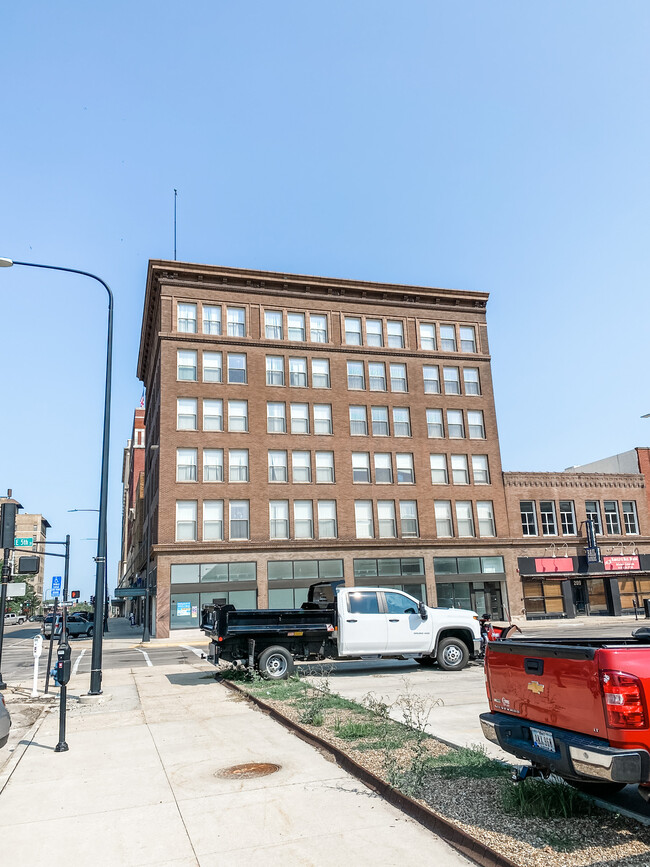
{"x": 544, "y": 740}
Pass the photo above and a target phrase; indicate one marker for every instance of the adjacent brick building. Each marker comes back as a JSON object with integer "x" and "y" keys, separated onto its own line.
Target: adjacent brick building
{"x": 34, "y": 527}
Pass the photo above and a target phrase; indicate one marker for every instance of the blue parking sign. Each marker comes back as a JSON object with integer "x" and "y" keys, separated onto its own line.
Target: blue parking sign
{"x": 56, "y": 586}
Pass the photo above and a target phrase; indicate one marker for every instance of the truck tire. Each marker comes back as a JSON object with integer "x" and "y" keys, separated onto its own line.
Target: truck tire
{"x": 452, "y": 654}
{"x": 275, "y": 663}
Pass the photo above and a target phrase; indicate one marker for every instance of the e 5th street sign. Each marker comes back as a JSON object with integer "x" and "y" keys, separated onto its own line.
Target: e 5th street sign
{"x": 23, "y": 542}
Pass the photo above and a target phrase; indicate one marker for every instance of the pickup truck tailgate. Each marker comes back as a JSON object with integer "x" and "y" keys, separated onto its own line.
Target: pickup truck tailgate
{"x": 553, "y": 684}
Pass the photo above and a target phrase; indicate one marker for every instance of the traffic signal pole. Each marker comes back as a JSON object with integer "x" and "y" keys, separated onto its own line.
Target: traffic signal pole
{"x": 3, "y": 604}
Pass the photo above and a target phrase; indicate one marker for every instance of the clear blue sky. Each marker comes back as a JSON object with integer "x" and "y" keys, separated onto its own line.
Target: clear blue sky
{"x": 500, "y": 146}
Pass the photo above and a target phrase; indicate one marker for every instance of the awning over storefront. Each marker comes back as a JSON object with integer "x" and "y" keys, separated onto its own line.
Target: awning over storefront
{"x": 130, "y": 592}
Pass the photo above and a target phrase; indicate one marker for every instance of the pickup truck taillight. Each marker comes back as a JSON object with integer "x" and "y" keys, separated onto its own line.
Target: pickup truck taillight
{"x": 624, "y": 702}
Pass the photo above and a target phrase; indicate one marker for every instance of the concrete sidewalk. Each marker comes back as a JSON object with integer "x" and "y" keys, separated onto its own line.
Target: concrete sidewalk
{"x": 140, "y": 785}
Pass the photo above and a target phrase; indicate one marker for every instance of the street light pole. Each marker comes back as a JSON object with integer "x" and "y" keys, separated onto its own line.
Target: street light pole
{"x": 100, "y": 559}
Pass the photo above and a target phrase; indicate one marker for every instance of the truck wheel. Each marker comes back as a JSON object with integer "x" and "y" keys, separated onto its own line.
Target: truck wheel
{"x": 90, "y": 632}
{"x": 275, "y": 663}
{"x": 597, "y": 790}
{"x": 452, "y": 654}
{"x": 425, "y": 661}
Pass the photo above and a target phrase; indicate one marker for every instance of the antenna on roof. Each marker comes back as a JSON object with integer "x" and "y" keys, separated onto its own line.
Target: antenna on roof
{"x": 175, "y": 197}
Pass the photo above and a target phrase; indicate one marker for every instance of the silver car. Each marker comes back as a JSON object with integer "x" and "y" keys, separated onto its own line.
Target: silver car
{"x": 5, "y": 722}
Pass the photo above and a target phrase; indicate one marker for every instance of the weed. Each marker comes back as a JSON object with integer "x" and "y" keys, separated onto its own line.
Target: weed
{"x": 279, "y": 690}
{"x": 376, "y": 705}
{"x": 535, "y": 797}
{"x": 353, "y": 730}
{"x": 468, "y": 762}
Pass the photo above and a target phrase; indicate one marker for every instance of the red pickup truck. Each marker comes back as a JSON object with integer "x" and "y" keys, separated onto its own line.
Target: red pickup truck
{"x": 576, "y": 707}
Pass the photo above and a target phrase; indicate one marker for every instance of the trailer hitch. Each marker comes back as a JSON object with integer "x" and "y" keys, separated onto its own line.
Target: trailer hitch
{"x": 525, "y": 772}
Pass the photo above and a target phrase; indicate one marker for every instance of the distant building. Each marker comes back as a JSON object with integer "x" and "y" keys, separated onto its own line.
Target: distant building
{"x": 133, "y": 556}
{"x": 34, "y": 527}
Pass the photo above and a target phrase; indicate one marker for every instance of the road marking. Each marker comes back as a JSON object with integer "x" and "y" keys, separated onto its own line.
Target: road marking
{"x": 146, "y": 656}
{"x": 77, "y": 661}
{"x": 199, "y": 653}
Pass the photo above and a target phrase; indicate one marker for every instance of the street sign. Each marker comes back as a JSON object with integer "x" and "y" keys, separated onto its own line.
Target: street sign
{"x": 16, "y": 589}
{"x": 23, "y": 541}
{"x": 56, "y": 586}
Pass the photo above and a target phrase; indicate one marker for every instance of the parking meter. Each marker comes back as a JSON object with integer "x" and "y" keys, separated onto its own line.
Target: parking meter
{"x": 63, "y": 664}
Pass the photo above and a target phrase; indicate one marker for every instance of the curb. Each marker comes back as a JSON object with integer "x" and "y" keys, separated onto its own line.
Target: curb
{"x": 21, "y": 748}
{"x": 467, "y": 845}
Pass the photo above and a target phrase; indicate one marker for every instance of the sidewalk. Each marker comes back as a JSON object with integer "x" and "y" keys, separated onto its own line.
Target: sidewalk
{"x": 140, "y": 785}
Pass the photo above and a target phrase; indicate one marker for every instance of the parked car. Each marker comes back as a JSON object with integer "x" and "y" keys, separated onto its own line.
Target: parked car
{"x": 76, "y": 626}
{"x": 36, "y": 618}
{"x": 5, "y": 722}
{"x": 10, "y": 619}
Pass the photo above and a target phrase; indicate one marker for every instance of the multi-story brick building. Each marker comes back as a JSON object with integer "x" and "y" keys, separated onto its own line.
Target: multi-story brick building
{"x": 133, "y": 540}
{"x": 303, "y": 428}
{"x": 34, "y": 527}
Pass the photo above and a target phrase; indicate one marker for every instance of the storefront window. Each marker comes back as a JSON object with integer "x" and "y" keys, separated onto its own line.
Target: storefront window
{"x": 543, "y": 597}
{"x": 184, "y": 610}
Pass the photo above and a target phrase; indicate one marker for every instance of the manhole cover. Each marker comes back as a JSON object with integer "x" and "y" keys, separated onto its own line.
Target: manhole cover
{"x": 248, "y": 771}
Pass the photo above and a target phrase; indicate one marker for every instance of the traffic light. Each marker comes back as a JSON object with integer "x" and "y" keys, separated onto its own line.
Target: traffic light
{"x": 8, "y": 525}
{"x": 92, "y": 600}
{"x": 75, "y": 594}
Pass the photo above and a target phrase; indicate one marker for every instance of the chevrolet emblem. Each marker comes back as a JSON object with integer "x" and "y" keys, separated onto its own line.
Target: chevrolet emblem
{"x": 537, "y": 688}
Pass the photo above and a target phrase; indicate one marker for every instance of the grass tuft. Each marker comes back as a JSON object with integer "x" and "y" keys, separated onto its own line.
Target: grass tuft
{"x": 468, "y": 762}
{"x": 537, "y": 798}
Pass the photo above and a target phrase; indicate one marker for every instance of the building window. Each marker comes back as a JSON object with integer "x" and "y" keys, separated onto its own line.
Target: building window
{"x": 459, "y": 470}
{"x": 298, "y": 372}
{"x": 361, "y": 467}
{"x": 427, "y": 335}
{"x": 383, "y": 469}
{"x": 212, "y": 367}
{"x": 401, "y": 421}
{"x": 277, "y": 466}
{"x": 352, "y": 331}
{"x": 358, "y": 421}
{"x": 239, "y": 519}
{"x": 467, "y": 338}
{"x": 364, "y": 526}
{"x": 274, "y": 370}
{"x": 528, "y": 518}
{"x": 612, "y": 520}
{"x": 386, "y": 523}
{"x": 405, "y": 471}
{"x": 374, "y": 332}
{"x": 213, "y": 465}
{"x": 451, "y": 377}
{"x": 395, "y": 333}
{"x": 303, "y": 519}
{"x": 296, "y": 327}
{"x": 213, "y": 415}
{"x": 434, "y": 424}
{"x": 186, "y": 413}
{"x": 211, "y": 319}
{"x": 238, "y": 465}
{"x": 327, "y": 528}
{"x": 431, "y": 375}
{"x": 442, "y": 512}
{"x": 475, "y": 424}
{"x": 471, "y": 380}
{"x": 630, "y": 518}
{"x": 455, "y": 424}
{"x": 279, "y": 519}
{"x": 186, "y": 520}
{"x": 236, "y": 368}
{"x": 408, "y": 518}
{"x": 186, "y": 364}
{"x": 276, "y": 418}
{"x": 322, "y": 418}
{"x": 480, "y": 470}
{"x": 377, "y": 376}
{"x": 187, "y": 318}
{"x": 186, "y": 460}
{"x": 567, "y": 518}
{"x": 299, "y": 418}
{"x": 464, "y": 519}
{"x": 237, "y": 415}
{"x": 448, "y": 338}
{"x": 356, "y": 379}
{"x": 438, "y": 465}
{"x": 485, "y": 514}
{"x": 547, "y": 517}
{"x": 379, "y": 418}
{"x": 398, "y": 378}
{"x": 324, "y": 467}
{"x": 318, "y": 328}
{"x": 236, "y": 322}
{"x": 273, "y": 324}
{"x": 213, "y": 520}
{"x": 592, "y": 507}
{"x": 320, "y": 373}
{"x": 301, "y": 467}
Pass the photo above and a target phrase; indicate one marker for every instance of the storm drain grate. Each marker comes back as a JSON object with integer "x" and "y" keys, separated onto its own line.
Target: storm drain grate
{"x": 248, "y": 771}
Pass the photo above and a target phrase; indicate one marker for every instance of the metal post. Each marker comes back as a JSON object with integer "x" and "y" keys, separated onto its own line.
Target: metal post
{"x": 49, "y": 652}
{"x": 3, "y": 603}
{"x": 146, "y": 634}
{"x": 62, "y": 747}
{"x": 66, "y": 568}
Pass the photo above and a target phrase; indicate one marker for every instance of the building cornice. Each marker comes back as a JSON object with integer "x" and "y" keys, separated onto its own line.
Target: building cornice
{"x": 573, "y": 480}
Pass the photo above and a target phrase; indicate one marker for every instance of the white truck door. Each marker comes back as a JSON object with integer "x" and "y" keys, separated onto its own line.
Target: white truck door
{"x": 362, "y": 628}
{"x": 407, "y": 632}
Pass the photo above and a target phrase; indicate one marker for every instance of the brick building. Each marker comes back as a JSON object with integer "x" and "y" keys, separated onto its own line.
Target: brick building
{"x": 34, "y": 527}
{"x": 303, "y": 428}
{"x": 133, "y": 541}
